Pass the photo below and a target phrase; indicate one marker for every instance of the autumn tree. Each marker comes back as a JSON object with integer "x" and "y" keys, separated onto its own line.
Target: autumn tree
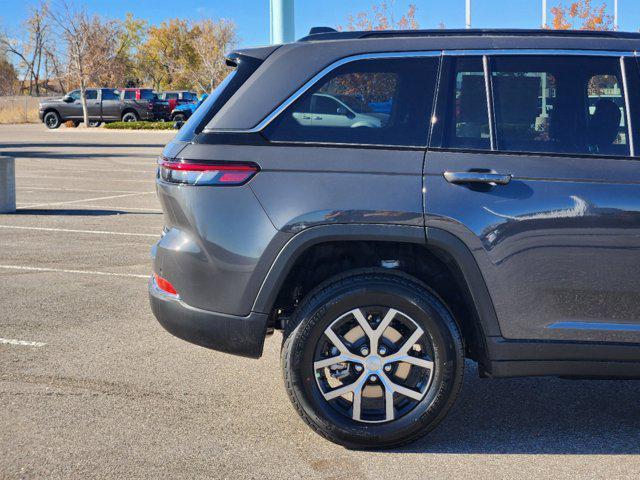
{"x": 382, "y": 16}
{"x": 32, "y": 48}
{"x": 132, "y": 34}
{"x": 581, "y": 15}
{"x": 8, "y": 76}
{"x": 212, "y": 40}
{"x": 90, "y": 48}
{"x": 168, "y": 56}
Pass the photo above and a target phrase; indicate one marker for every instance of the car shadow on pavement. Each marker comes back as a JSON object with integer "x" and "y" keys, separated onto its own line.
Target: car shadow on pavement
{"x": 539, "y": 416}
{"x": 88, "y": 212}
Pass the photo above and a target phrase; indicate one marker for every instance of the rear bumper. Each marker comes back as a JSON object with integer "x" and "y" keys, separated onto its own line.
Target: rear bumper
{"x": 226, "y": 333}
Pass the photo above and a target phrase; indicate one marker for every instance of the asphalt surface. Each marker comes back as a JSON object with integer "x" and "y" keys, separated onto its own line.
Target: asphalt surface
{"x": 110, "y": 394}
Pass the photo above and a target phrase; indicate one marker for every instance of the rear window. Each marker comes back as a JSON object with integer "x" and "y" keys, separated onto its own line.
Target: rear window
{"x": 129, "y": 95}
{"x": 376, "y": 102}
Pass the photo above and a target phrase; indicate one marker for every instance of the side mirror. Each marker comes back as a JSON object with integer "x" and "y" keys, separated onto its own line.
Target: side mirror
{"x": 178, "y": 125}
{"x": 67, "y": 99}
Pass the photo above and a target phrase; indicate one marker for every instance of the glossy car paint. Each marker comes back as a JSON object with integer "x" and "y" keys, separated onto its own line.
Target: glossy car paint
{"x": 557, "y": 245}
{"x": 556, "y": 248}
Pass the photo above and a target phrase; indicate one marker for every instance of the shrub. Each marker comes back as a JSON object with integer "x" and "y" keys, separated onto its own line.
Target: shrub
{"x": 140, "y": 125}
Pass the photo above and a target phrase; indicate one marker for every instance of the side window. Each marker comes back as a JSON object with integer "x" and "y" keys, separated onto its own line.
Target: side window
{"x": 462, "y": 119}
{"x": 129, "y": 95}
{"x": 75, "y": 95}
{"x": 91, "y": 94}
{"x": 559, "y": 104}
{"x": 109, "y": 95}
{"x": 170, "y": 96}
{"x": 375, "y": 102}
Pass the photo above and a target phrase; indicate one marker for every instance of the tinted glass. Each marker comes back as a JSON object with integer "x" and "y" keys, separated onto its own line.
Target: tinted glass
{"x": 170, "y": 96}
{"x": 376, "y": 102}
{"x": 75, "y": 94}
{"x": 556, "y": 104}
{"x": 129, "y": 95}
{"x": 109, "y": 95}
{"x": 462, "y": 119}
{"x": 147, "y": 95}
{"x": 91, "y": 94}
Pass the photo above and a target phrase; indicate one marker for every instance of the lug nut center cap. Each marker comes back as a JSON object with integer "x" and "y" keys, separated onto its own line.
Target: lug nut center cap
{"x": 373, "y": 363}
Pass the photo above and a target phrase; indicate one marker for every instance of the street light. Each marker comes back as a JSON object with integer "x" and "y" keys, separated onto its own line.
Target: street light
{"x": 282, "y": 21}
{"x": 468, "y": 13}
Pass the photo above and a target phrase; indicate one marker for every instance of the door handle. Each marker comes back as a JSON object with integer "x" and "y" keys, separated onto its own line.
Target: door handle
{"x": 458, "y": 178}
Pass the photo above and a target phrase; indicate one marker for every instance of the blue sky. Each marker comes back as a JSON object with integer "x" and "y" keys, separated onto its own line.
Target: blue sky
{"x": 252, "y": 16}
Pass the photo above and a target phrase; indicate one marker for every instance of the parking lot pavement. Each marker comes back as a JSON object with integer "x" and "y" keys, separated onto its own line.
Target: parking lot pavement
{"x": 91, "y": 386}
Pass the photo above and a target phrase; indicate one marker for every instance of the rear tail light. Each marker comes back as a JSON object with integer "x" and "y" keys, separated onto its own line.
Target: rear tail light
{"x": 214, "y": 173}
{"x": 164, "y": 285}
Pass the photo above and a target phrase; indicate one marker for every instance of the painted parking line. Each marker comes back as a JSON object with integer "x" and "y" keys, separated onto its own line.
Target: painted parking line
{"x": 69, "y": 230}
{"x": 85, "y": 190}
{"x": 84, "y": 200}
{"x": 22, "y": 343}
{"x": 64, "y": 270}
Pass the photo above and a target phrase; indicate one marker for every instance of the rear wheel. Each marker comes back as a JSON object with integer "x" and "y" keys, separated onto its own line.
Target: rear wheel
{"x": 130, "y": 117}
{"x": 52, "y": 119}
{"x": 373, "y": 360}
{"x": 95, "y": 123}
{"x": 179, "y": 117}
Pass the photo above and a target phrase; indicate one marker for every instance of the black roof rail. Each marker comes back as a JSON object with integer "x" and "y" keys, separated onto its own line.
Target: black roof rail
{"x": 325, "y": 33}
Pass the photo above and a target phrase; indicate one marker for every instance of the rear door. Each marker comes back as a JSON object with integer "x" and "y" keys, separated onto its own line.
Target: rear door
{"x": 111, "y": 104}
{"x": 532, "y": 165}
{"x": 93, "y": 103}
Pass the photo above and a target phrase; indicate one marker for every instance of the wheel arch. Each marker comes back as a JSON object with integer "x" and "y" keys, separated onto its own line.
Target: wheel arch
{"x": 449, "y": 249}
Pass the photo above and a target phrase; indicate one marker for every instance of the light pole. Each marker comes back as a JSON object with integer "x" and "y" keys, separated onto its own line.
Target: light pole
{"x": 615, "y": 14}
{"x": 282, "y": 21}
{"x": 544, "y": 13}
{"x": 468, "y": 13}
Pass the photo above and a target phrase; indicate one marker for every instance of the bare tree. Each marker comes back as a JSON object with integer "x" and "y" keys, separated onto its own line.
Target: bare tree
{"x": 91, "y": 46}
{"x": 211, "y": 41}
{"x": 30, "y": 50}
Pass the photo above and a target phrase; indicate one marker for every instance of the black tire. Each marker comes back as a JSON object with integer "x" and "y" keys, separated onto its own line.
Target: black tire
{"x": 130, "y": 117}
{"x": 331, "y": 300}
{"x": 94, "y": 123}
{"x": 179, "y": 117}
{"x": 76, "y": 123}
{"x": 52, "y": 119}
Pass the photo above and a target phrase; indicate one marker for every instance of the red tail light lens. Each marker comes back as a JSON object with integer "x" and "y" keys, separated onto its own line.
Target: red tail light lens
{"x": 222, "y": 174}
{"x": 164, "y": 285}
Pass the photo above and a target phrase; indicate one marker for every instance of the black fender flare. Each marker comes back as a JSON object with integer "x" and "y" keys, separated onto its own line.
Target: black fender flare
{"x": 440, "y": 240}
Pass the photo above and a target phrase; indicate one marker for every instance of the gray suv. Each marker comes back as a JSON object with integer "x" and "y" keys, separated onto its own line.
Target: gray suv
{"x": 488, "y": 209}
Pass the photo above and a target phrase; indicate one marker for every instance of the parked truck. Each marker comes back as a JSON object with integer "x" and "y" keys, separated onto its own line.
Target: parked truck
{"x": 103, "y": 105}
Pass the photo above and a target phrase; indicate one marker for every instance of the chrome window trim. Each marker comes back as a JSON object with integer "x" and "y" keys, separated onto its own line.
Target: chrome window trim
{"x": 317, "y": 77}
{"x": 627, "y": 107}
{"x": 488, "y": 91}
{"x": 412, "y": 54}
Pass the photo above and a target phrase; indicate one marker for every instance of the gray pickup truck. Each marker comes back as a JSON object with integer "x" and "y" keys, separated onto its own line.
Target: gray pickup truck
{"x": 104, "y": 105}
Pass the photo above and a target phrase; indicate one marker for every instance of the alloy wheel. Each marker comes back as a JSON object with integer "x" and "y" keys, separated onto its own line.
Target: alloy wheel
{"x": 374, "y": 364}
